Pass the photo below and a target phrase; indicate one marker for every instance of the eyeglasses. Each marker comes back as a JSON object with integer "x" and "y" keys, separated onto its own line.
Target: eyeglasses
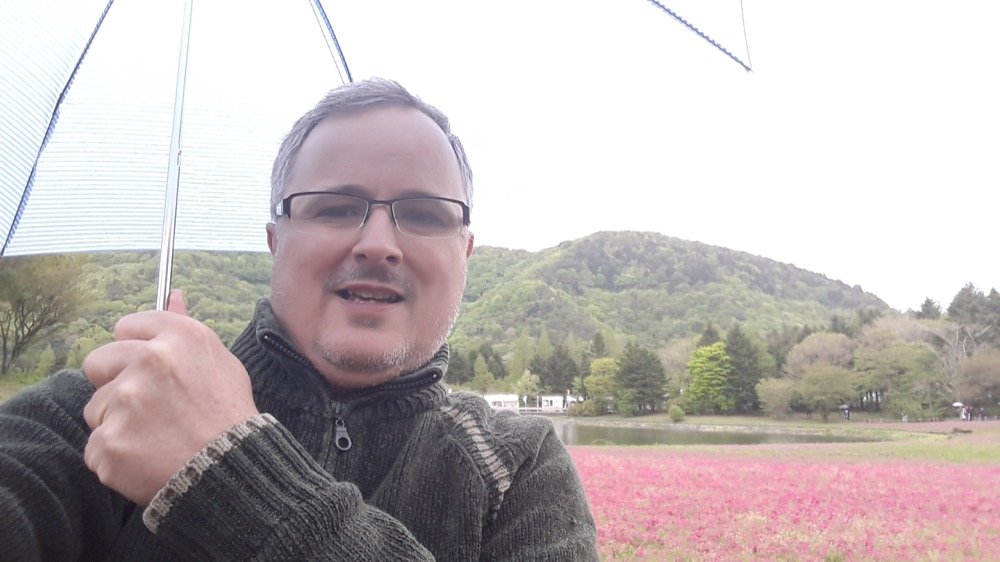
{"x": 320, "y": 212}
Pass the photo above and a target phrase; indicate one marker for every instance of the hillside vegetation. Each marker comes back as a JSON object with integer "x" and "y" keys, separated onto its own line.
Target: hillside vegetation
{"x": 627, "y": 285}
{"x": 642, "y": 286}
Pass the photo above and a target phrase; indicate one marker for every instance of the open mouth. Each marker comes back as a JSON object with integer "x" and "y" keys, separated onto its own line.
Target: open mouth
{"x": 369, "y": 296}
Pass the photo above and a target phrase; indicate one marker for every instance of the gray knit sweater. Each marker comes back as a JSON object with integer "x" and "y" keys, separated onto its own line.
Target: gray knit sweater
{"x": 404, "y": 471}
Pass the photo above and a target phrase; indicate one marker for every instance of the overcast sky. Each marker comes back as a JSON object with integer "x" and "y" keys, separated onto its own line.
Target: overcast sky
{"x": 863, "y": 145}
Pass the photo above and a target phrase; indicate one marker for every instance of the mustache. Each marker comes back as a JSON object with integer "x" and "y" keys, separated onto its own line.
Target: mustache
{"x": 376, "y": 274}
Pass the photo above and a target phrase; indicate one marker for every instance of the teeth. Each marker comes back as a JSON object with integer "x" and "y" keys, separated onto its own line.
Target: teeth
{"x": 369, "y": 297}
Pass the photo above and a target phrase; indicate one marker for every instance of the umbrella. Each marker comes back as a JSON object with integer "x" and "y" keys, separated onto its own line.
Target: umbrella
{"x": 958, "y": 405}
{"x": 96, "y": 148}
{"x": 94, "y": 123}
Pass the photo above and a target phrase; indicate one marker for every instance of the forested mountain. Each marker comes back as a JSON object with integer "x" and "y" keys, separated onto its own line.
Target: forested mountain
{"x": 628, "y": 285}
{"x": 642, "y": 286}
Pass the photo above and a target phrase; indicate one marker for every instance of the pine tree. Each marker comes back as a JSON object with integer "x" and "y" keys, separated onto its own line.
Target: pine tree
{"x": 746, "y": 371}
{"x": 560, "y": 370}
{"x": 929, "y": 310}
{"x": 709, "y": 336}
{"x": 641, "y": 374}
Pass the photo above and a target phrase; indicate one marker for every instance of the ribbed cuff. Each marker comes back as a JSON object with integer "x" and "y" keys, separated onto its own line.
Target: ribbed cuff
{"x": 190, "y": 474}
{"x": 254, "y": 490}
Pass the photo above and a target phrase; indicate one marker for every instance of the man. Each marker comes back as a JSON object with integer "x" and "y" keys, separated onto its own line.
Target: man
{"x": 325, "y": 432}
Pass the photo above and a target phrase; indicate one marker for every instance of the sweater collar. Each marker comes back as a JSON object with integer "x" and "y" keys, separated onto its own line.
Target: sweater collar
{"x": 282, "y": 375}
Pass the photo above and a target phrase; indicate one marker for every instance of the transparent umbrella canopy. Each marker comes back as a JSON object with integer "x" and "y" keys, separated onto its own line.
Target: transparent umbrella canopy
{"x": 119, "y": 116}
{"x": 94, "y": 144}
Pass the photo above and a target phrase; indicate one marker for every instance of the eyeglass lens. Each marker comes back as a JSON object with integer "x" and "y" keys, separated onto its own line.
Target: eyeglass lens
{"x": 419, "y": 217}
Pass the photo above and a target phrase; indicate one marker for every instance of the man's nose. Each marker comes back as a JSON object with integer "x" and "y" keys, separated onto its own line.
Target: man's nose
{"x": 377, "y": 238}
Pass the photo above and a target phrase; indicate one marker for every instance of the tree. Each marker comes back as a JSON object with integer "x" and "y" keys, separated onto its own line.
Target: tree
{"x": 601, "y": 383}
{"x": 459, "y": 368}
{"x": 821, "y": 347}
{"x": 483, "y": 381}
{"x": 521, "y": 358}
{"x": 493, "y": 361}
{"x": 641, "y": 374}
{"x": 824, "y": 388}
{"x": 978, "y": 380}
{"x": 598, "y": 346}
{"x": 746, "y": 372}
{"x": 969, "y": 306}
{"x": 776, "y": 396}
{"x": 901, "y": 377}
{"x": 37, "y": 294}
{"x": 46, "y": 363}
{"x": 544, "y": 348}
{"x": 562, "y": 370}
{"x": 930, "y": 310}
{"x": 528, "y": 385}
{"x": 977, "y": 313}
{"x": 780, "y": 342}
{"x": 710, "y": 367}
{"x": 709, "y": 336}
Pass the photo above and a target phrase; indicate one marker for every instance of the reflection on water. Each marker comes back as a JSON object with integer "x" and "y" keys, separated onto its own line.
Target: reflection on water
{"x": 573, "y": 433}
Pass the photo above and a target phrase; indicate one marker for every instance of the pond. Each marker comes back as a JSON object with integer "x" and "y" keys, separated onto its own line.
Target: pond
{"x": 574, "y": 433}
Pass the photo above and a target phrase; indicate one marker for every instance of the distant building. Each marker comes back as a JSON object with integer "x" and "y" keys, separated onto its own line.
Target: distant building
{"x": 502, "y": 401}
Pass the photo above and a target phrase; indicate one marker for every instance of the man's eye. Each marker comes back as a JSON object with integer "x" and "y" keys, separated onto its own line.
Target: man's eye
{"x": 425, "y": 217}
{"x": 336, "y": 212}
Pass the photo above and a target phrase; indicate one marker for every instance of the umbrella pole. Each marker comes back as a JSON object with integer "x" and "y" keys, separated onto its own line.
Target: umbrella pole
{"x": 173, "y": 170}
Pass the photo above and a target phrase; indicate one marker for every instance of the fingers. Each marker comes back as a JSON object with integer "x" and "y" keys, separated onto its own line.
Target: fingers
{"x": 106, "y": 362}
{"x": 151, "y": 323}
{"x": 175, "y": 302}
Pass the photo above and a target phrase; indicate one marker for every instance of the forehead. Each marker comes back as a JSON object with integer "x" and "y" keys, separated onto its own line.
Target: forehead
{"x": 381, "y": 152}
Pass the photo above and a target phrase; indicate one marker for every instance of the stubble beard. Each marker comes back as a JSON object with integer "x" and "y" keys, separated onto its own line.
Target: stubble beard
{"x": 395, "y": 361}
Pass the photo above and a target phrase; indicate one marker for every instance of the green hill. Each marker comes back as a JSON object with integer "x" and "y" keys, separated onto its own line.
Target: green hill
{"x": 629, "y": 285}
{"x": 640, "y": 285}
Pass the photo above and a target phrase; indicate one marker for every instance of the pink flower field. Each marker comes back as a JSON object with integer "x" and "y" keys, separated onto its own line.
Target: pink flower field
{"x": 670, "y": 504}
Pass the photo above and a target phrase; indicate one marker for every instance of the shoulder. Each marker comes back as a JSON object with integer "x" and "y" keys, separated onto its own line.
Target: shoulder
{"x": 470, "y": 414}
{"x": 499, "y": 443}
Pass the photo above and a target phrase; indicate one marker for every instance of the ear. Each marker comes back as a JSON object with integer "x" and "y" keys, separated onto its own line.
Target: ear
{"x": 471, "y": 246}
{"x": 272, "y": 238}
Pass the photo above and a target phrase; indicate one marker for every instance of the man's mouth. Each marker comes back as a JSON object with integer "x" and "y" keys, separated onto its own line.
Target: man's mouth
{"x": 384, "y": 297}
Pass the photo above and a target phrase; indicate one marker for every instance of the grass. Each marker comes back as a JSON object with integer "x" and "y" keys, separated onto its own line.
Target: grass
{"x": 952, "y": 441}
{"x": 11, "y": 384}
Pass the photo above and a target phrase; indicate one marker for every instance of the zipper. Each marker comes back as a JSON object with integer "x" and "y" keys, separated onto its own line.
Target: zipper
{"x": 341, "y": 439}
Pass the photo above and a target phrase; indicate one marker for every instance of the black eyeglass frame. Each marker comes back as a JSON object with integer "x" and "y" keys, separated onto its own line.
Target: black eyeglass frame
{"x": 284, "y": 207}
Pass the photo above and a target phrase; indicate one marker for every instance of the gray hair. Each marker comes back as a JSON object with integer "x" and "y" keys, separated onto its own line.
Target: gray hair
{"x": 354, "y": 98}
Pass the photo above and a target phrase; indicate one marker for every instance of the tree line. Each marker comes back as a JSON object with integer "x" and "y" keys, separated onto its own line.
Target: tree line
{"x": 56, "y": 309}
{"x": 918, "y": 364}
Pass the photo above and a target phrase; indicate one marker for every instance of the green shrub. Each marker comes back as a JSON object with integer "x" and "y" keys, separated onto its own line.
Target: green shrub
{"x": 676, "y": 413}
{"x": 587, "y": 408}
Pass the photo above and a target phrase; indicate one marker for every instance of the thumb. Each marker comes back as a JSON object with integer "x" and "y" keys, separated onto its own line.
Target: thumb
{"x": 175, "y": 302}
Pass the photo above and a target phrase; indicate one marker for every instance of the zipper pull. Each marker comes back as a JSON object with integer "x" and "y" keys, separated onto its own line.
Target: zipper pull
{"x": 340, "y": 437}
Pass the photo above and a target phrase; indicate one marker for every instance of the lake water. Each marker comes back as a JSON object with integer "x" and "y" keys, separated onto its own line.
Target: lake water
{"x": 573, "y": 433}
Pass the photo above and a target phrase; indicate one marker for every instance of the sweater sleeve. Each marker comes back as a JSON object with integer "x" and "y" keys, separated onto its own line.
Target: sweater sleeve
{"x": 51, "y": 506}
{"x": 544, "y": 514}
{"x": 254, "y": 493}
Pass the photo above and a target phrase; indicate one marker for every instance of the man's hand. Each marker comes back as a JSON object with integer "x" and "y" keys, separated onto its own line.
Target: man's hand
{"x": 165, "y": 389}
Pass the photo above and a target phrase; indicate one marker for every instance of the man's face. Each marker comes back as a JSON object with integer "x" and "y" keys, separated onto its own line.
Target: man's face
{"x": 368, "y": 305}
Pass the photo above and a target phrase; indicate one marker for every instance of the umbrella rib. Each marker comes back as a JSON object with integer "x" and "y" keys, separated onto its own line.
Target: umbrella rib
{"x": 321, "y": 12}
{"x": 704, "y": 35}
{"x": 26, "y": 194}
